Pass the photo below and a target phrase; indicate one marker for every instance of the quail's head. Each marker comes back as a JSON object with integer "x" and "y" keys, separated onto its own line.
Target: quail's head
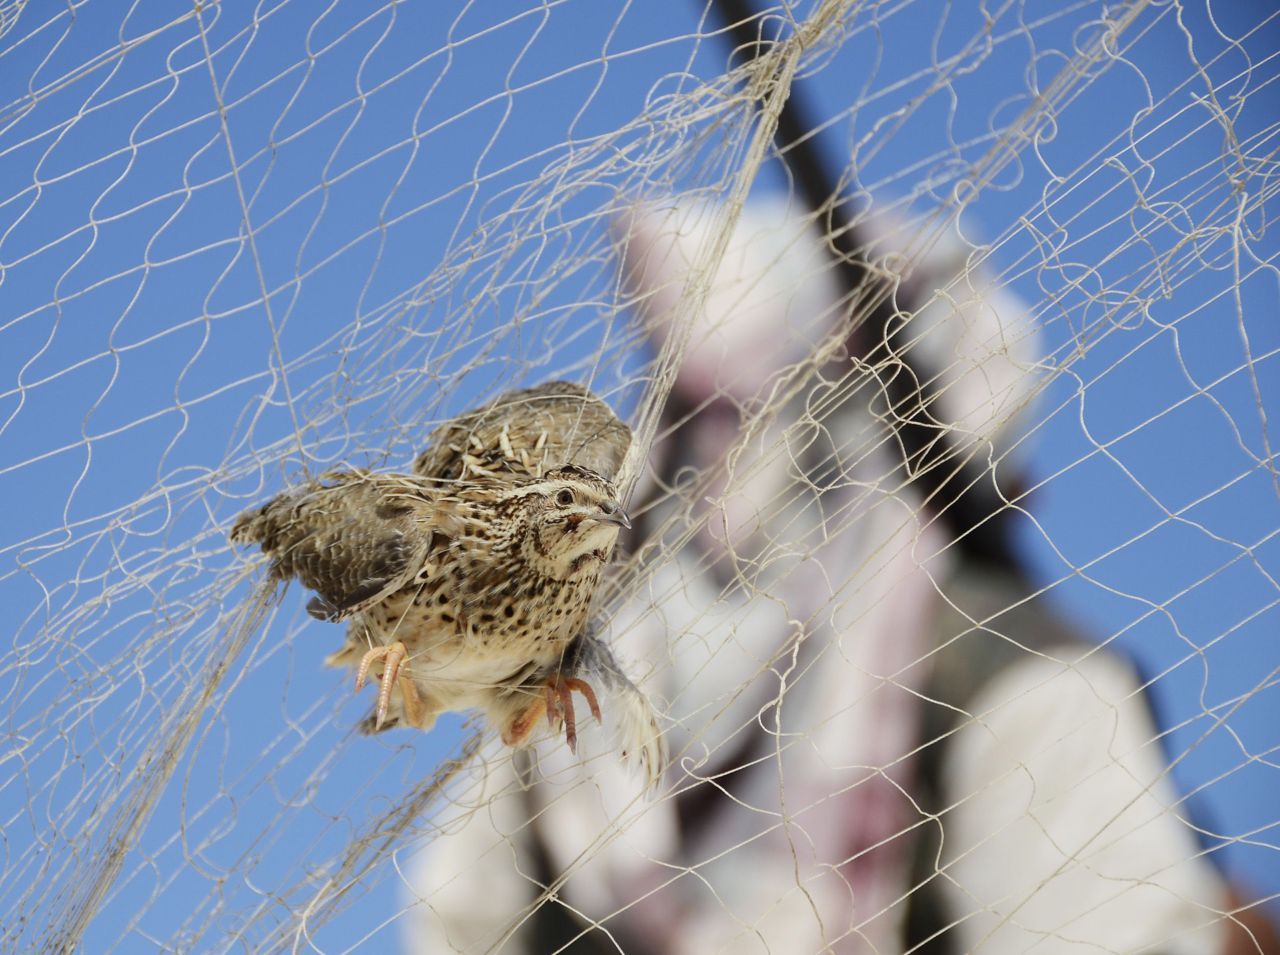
{"x": 574, "y": 520}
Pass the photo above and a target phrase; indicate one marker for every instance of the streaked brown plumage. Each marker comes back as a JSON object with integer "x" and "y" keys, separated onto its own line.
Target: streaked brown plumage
{"x": 522, "y": 434}
{"x": 468, "y": 583}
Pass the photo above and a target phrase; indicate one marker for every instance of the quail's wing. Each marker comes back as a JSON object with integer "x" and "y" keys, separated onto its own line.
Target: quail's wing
{"x": 352, "y": 537}
{"x": 522, "y": 434}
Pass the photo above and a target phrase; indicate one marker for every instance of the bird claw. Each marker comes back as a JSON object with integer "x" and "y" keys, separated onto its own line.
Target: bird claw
{"x": 556, "y": 701}
{"x": 559, "y": 702}
{"x": 392, "y": 657}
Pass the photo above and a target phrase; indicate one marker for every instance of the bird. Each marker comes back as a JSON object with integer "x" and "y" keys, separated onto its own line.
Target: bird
{"x": 467, "y": 582}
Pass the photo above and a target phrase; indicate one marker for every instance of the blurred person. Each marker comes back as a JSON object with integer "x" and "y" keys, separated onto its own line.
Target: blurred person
{"x": 808, "y": 628}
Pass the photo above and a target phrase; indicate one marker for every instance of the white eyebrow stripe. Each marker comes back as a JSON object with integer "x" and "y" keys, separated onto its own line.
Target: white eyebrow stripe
{"x": 548, "y": 487}
{"x": 542, "y": 487}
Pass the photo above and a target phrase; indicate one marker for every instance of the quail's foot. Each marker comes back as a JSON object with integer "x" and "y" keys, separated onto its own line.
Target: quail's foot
{"x": 393, "y": 656}
{"x": 556, "y": 701}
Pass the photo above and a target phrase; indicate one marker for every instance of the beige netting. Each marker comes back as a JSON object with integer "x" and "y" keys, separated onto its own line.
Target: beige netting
{"x": 954, "y": 571}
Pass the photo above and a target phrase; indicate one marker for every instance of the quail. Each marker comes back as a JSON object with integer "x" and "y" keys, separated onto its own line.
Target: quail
{"x": 468, "y": 582}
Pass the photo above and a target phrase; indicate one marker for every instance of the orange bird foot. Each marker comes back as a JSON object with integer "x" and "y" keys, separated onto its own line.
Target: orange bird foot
{"x": 393, "y": 657}
{"x": 557, "y": 702}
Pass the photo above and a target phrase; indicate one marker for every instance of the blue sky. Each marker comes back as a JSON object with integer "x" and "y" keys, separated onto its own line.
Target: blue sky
{"x": 139, "y": 357}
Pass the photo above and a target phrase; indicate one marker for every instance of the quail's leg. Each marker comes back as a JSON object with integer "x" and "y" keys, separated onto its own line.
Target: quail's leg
{"x": 556, "y": 700}
{"x": 392, "y": 656}
{"x": 416, "y": 711}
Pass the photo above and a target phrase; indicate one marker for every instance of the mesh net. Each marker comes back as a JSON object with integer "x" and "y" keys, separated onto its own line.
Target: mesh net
{"x": 243, "y": 245}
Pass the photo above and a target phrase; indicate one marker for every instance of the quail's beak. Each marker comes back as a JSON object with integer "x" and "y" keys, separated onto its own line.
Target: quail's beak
{"x": 611, "y": 513}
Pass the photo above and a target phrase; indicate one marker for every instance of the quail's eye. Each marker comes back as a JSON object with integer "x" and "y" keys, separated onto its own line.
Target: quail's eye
{"x": 565, "y": 497}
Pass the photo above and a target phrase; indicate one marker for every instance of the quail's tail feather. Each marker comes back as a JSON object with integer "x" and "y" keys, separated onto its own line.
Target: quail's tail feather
{"x": 641, "y": 741}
